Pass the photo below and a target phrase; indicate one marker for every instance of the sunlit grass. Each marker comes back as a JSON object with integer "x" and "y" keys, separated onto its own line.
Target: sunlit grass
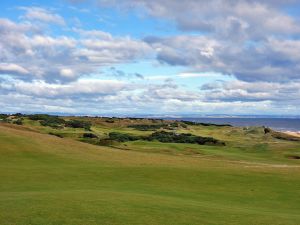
{"x": 49, "y": 180}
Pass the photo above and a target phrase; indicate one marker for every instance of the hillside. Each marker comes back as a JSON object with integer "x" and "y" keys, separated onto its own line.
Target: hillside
{"x": 45, "y": 179}
{"x": 168, "y": 137}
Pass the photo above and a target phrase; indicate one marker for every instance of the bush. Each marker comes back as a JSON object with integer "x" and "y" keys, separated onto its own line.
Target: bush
{"x": 18, "y": 122}
{"x": 134, "y": 118}
{"x": 106, "y": 142}
{"x": 152, "y": 127}
{"x": 170, "y": 137}
{"x": 53, "y": 121}
{"x": 3, "y": 116}
{"x": 89, "y": 135}
{"x": 48, "y": 120}
{"x": 122, "y": 137}
{"x": 38, "y": 117}
{"x": 267, "y": 130}
{"x": 183, "y": 125}
{"x": 166, "y": 137}
{"x": 146, "y": 127}
{"x": 79, "y": 124}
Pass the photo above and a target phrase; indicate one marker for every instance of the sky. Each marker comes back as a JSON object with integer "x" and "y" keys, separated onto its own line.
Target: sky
{"x": 159, "y": 57}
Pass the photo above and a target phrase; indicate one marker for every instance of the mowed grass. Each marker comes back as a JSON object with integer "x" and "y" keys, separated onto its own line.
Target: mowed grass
{"x": 48, "y": 180}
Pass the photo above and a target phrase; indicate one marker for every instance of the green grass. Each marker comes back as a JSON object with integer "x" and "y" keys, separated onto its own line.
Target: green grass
{"x": 241, "y": 144}
{"x": 45, "y": 180}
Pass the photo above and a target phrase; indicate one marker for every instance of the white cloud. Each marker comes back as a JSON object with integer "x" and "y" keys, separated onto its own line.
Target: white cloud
{"x": 192, "y": 75}
{"x": 111, "y": 96}
{"x": 250, "y": 39}
{"x": 43, "y": 15}
{"x": 63, "y": 58}
{"x": 274, "y": 60}
{"x": 256, "y": 41}
{"x": 90, "y": 87}
{"x": 233, "y": 91}
{"x": 12, "y": 68}
{"x": 67, "y": 73}
{"x": 244, "y": 18}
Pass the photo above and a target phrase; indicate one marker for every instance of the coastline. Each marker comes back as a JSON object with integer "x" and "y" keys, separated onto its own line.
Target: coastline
{"x": 278, "y": 124}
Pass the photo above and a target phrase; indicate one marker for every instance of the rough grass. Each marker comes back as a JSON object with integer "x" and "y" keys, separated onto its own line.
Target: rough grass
{"x": 48, "y": 180}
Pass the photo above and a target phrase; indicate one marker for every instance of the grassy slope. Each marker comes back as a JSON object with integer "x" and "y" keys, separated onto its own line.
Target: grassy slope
{"x": 47, "y": 180}
{"x": 251, "y": 145}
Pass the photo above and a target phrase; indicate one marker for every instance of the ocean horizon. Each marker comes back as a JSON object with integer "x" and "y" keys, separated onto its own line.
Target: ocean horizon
{"x": 279, "y": 124}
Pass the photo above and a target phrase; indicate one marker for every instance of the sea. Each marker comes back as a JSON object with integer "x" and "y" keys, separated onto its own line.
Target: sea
{"x": 279, "y": 124}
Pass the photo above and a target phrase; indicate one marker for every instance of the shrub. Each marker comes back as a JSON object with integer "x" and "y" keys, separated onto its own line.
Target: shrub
{"x": 134, "y": 118}
{"x": 170, "y": 137}
{"x": 48, "y": 120}
{"x": 122, "y": 137}
{"x": 106, "y": 142}
{"x": 173, "y": 124}
{"x": 39, "y": 116}
{"x": 152, "y": 127}
{"x": 53, "y": 121}
{"x": 183, "y": 125}
{"x": 3, "y": 116}
{"x": 18, "y": 122}
{"x": 79, "y": 124}
{"x": 146, "y": 127}
{"x": 267, "y": 130}
{"x": 89, "y": 135}
{"x": 109, "y": 121}
{"x": 166, "y": 137}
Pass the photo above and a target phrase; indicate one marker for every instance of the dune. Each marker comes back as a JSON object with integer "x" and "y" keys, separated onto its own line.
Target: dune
{"x": 292, "y": 133}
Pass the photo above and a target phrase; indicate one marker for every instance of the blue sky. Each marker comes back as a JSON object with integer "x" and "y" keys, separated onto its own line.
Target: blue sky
{"x": 150, "y": 57}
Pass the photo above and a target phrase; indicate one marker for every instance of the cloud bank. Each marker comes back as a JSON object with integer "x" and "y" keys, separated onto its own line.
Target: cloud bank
{"x": 49, "y": 64}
